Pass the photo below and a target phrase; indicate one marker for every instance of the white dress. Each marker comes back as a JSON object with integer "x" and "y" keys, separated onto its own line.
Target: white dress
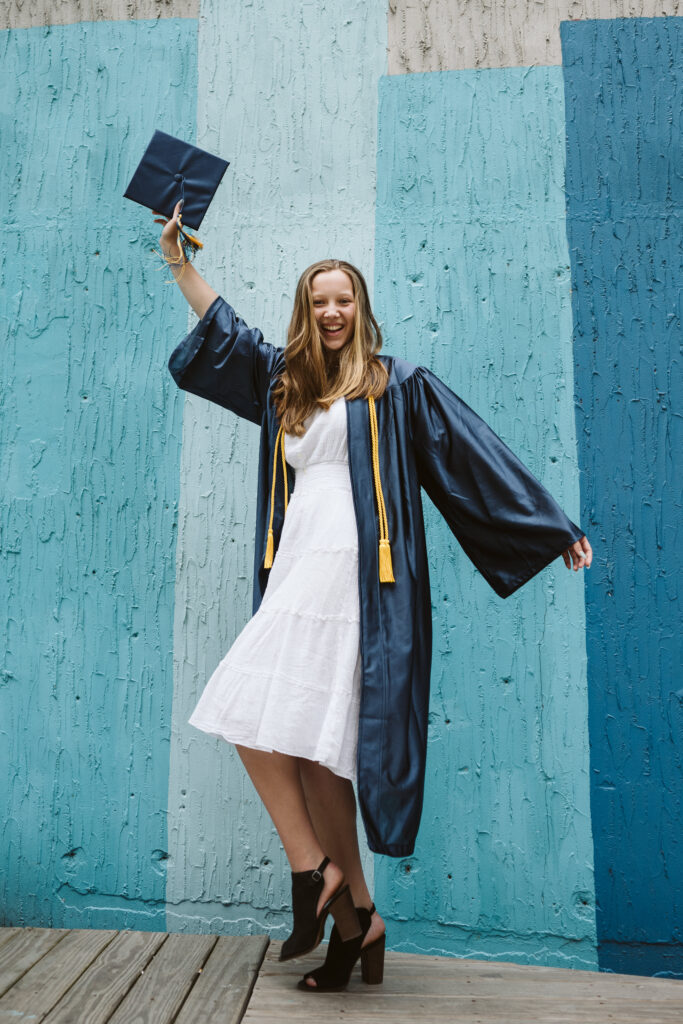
{"x": 291, "y": 680}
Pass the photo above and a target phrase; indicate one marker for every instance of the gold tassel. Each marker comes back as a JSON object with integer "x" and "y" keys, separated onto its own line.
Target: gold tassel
{"x": 192, "y": 239}
{"x": 268, "y": 560}
{"x": 194, "y": 242}
{"x": 386, "y": 572}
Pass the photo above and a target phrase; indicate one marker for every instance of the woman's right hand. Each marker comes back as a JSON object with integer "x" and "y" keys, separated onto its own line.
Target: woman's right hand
{"x": 198, "y": 293}
{"x": 169, "y": 236}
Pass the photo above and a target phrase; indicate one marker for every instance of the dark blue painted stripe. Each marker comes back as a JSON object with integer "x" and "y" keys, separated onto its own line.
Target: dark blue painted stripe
{"x": 624, "y": 96}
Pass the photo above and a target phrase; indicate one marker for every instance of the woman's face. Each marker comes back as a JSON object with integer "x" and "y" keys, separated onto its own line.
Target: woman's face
{"x": 335, "y": 308}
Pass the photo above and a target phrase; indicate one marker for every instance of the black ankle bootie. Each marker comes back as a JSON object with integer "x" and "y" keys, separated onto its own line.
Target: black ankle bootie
{"x": 342, "y": 956}
{"x": 309, "y": 927}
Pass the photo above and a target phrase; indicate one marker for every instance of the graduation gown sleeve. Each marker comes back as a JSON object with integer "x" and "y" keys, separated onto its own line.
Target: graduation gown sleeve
{"x": 226, "y": 362}
{"x": 507, "y": 523}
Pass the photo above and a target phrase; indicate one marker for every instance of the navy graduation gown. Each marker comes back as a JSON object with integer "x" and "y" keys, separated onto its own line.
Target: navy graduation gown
{"x": 505, "y": 520}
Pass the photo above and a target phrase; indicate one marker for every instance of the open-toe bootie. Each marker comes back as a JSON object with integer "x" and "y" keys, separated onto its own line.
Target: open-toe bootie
{"x": 309, "y": 926}
{"x": 342, "y": 956}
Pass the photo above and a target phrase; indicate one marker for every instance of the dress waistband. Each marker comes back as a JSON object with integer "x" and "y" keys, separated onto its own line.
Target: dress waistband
{"x": 316, "y": 473}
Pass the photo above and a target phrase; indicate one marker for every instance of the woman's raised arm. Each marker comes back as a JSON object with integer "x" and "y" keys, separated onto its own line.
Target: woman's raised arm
{"x": 221, "y": 359}
{"x": 198, "y": 293}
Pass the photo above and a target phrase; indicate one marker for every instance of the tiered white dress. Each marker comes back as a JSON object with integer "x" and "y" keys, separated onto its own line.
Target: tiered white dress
{"x": 291, "y": 680}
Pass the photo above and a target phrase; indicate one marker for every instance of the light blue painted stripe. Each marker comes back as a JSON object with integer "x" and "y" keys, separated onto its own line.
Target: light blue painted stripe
{"x": 288, "y": 94}
{"x": 624, "y": 88}
{"x": 89, "y": 449}
{"x": 472, "y": 280}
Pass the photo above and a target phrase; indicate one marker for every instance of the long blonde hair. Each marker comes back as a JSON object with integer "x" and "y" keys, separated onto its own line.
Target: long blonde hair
{"x": 314, "y": 376}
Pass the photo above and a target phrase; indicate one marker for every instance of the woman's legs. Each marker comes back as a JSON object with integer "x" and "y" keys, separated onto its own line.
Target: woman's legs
{"x": 314, "y": 812}
{"x": 331, "y": 803}
{"x": 277, "y": 780}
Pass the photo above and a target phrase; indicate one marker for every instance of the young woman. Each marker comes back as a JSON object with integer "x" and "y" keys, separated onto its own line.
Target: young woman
{"x": 329, "y": 680}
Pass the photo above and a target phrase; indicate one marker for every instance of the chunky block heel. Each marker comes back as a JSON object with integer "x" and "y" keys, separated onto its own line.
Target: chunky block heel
{"x": 335, "y": 973}
{"x": 345, "y": 915}
{"x": 372, "y": 961}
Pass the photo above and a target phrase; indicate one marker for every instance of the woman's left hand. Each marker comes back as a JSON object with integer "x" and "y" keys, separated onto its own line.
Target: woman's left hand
{"x": 580, "y": 554}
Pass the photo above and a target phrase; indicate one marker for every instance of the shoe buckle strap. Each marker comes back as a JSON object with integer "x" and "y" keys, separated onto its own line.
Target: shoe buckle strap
{"x": 317, "y": 873}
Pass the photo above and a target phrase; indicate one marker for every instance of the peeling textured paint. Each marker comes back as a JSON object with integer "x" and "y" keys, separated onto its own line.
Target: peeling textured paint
{"x": 288, "y": 95}
{"x": 36, "y": 13}
{"x": 472, "y": 280}
{"x": 89, "y": 455}
{"x": 624, "y": 88}
{"x": 450, "y": 35}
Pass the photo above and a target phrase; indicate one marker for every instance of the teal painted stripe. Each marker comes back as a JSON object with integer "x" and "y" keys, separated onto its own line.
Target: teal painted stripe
{"x": 472, "y": 280}
{"x": 288, "y": 93}
{"x": 89, "y": 448}
{"x": 625, "y": 203}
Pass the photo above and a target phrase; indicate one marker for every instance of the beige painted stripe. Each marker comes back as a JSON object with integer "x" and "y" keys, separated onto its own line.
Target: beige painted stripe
{"x": 34, "y": 13}
{"x": 449, "y": 35}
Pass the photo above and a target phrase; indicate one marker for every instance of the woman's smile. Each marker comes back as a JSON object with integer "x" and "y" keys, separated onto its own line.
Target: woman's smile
{"x": 335, "y": 307}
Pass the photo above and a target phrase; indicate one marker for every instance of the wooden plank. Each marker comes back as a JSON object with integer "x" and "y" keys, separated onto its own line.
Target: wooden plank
{"x": 159, "y": 993}
{"x": 40, "y": 988}
{"x": 100, "y": 989}
{"x": 8, "y": 933}
{"x": 524, "y": 980}
{"x": 444, "y": 985}
{"x": 345, "y": 1009}
{"x": 363, "y": 1007}
{"x": 224, "y": 986}
{"x": 23, "y": 950}
{"x": 435, "y": 990}
{"x": 417, "y": 963}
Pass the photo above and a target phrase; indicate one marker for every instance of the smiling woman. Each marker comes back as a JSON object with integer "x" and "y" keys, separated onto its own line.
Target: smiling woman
{"x": 332, "y": 344}
{"x": 329, "y": 681}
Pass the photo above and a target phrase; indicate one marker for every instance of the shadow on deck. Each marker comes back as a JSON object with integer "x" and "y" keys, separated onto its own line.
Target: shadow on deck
{"x": 84, "y": 976}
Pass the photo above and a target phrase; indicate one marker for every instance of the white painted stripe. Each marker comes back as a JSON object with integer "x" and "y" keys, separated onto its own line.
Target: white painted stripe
{"x": 288, "y": 94}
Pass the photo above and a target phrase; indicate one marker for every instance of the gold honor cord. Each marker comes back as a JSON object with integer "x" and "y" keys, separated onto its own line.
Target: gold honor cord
{"x": 386, "y": 574}
{"x": 279, "y": 443}
{"x": 284, "y": 466}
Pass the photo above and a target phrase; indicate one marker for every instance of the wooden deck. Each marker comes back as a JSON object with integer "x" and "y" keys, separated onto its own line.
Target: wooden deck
{"x": 80, "y": 976}
{"x": 83, "y": 976}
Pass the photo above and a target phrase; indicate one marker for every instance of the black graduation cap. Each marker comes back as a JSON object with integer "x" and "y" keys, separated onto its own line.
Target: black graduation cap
{"x": 170, "y": 170}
